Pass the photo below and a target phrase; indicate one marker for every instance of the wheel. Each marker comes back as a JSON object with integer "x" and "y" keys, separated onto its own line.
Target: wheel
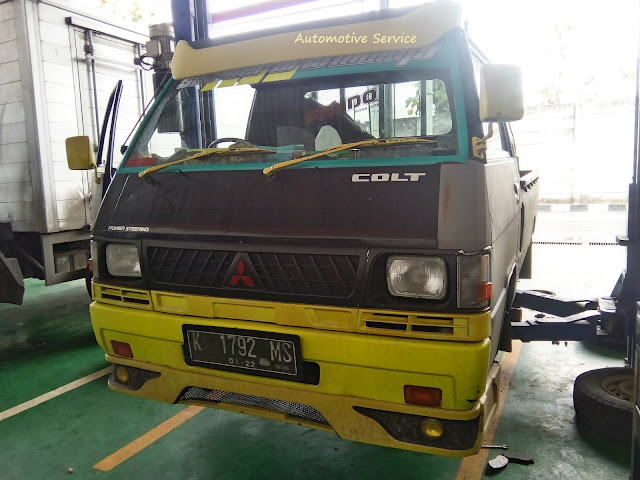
{"x": 603, "y": 401}
{"x": 225, "y": 139}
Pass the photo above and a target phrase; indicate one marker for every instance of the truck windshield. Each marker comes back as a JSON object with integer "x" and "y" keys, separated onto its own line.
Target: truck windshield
{"x": 301, "y": 117}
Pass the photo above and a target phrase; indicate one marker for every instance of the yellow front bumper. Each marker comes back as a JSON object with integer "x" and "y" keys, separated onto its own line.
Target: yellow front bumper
{"x": 361, "y": 385}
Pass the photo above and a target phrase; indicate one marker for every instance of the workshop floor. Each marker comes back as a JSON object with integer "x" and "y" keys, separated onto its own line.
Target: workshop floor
{"x": 48, "y": 343}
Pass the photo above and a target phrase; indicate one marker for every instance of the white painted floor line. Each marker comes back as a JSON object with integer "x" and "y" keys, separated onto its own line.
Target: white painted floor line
{"x": 53, "y": 394}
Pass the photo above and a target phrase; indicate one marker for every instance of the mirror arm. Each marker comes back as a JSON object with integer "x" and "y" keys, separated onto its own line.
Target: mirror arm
{"x": 95, "y": 173}
{"x": 480, "y": 144}
{"x": 489, "y": 133}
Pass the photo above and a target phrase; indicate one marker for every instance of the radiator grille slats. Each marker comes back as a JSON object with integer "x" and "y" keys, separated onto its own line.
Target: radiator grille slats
{"x": 286, "y": 273}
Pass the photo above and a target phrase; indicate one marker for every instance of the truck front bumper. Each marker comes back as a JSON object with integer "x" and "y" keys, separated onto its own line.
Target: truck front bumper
{"x": 359, "y": 392}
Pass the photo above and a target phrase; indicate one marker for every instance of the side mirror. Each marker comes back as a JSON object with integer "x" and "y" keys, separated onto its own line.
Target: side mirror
{"x": 80, "y": 155}
{"x": 501, "y": 98}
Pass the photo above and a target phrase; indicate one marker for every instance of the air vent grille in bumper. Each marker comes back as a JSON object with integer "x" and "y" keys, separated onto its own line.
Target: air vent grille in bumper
{"x": 122, "y": 296}
{"x": 286, "y": 273}
{"x": 469, "y": 328}
{"x": 297, "y": 410}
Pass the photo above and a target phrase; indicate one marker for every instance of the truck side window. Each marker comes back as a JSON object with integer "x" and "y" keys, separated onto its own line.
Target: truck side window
{"x": 510, "y": 140}
{"x": 496, "y": 145}
{"x": 234, "y": 105}
{"x": 167, "y": 137}
{"x": 405, "y": 109}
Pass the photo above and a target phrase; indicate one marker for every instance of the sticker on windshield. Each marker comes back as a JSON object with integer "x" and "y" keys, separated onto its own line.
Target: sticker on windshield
{"x": 368, "y": 97}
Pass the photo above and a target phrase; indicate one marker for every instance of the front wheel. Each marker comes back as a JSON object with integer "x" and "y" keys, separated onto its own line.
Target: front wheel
{"x": 603, "y": 401}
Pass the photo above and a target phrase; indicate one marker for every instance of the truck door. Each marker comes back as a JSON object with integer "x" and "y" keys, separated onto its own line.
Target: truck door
{"x": 101, "y": 60}
{"x": 504, "y": 194}
{"x": 503, "y": 190}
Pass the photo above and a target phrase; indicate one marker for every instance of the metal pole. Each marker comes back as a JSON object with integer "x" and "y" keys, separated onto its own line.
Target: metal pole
{"x": 89, "y": 49}
{"x": 636, "y": 149}
{"x": 184, "y": 28}
{"x": 631, "y": 294}
{"x": 632, "y": 305}
{"x": 207, "y": 111}
{"x": 183, "y": 12}
{"x": 142, "y": 89}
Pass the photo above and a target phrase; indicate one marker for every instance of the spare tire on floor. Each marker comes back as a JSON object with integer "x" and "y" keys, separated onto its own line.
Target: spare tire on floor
{"x": 603, "y": 400}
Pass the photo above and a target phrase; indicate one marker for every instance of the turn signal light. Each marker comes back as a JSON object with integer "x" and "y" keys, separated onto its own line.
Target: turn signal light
{"x": 474, "y": 280}
{"x": 485, "y": 291}
{"x": 425, "y": 396}
{"x": 122, "y": 349}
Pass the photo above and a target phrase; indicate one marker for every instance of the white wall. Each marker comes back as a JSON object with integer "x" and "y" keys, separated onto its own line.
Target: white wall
{"x": 584, "y": 153}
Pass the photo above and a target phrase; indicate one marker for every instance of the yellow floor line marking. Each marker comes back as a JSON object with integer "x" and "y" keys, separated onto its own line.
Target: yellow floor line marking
{"x": 472, "y": 467}
{"x": 53, "y": 394}
{"x": 147, "y": 439}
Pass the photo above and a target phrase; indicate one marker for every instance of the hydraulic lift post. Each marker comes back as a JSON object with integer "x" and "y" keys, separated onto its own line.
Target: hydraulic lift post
{"x": 632, "y": 306}
{"x": 191, "y": 21}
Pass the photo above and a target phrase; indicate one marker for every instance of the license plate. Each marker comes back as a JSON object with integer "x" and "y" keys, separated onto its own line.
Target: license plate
{"x": 247, "y": 351}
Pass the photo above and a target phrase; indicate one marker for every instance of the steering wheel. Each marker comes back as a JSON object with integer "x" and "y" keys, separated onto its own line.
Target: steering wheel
{"x": 225, "y": 139}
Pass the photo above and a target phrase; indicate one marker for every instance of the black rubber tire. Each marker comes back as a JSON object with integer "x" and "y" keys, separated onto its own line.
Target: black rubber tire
{"x": 600, "y": 411}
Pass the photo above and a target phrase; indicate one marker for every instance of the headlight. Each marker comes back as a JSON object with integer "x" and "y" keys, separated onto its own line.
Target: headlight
{"x": 123, "y": 260}
{"x": 419, "y": 277}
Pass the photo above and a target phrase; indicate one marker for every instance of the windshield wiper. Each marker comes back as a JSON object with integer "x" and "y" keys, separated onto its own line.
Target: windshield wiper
{"x": 346, "y": 146}
{"x": 217, "y": 151}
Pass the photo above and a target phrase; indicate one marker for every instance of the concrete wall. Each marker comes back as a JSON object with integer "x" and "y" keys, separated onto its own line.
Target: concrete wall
{"x": 584, "y": 153}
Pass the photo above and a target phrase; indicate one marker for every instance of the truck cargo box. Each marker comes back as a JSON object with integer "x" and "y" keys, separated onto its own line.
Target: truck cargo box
{"x": 58, "y": 65}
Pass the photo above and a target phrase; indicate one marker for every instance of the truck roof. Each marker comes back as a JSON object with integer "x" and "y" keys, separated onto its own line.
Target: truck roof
{"x": 408, "y": 28}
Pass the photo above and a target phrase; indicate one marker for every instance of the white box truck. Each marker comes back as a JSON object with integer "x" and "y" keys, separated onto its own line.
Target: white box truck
{"x": 58, "y": 66}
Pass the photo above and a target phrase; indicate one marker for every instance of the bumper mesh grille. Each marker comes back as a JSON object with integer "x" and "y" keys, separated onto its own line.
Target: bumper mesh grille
{"x": 297, "y": 410}
{"x": 286, "y": 273}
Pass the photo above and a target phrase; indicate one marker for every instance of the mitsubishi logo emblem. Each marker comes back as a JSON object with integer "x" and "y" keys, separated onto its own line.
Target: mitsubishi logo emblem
{"x": 240, "y": 277}
{"x": 241, "y": 274}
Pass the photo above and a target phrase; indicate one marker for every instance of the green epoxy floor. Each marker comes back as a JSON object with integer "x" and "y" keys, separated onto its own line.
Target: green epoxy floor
{"x": 48, "y": 342}
{"x": 539, "y": 420}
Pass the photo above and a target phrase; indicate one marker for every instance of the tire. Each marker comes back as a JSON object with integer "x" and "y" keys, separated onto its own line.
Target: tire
{"x": 603, "y": 401}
